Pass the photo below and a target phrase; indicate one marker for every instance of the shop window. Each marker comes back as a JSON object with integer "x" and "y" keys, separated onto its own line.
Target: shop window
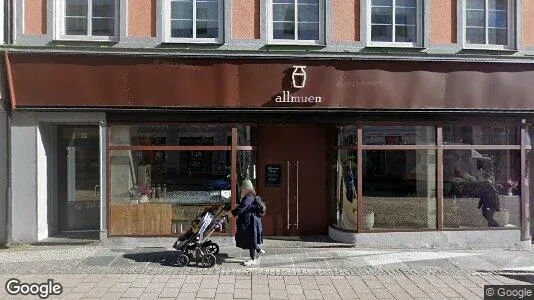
{"x": 193, "y": 20}
{"x": 345, "y": 188}
{"x": 170, "y": 135}
{"x": 481, "y": 135}
{"x": 399, "y": 189}
{"x": 488, "y": 23}
{"x": 87, "y": 19}
{"x": 395, "y": 22}
{"x": 162, "y": 197}
{"x": 296, "y": 21}
{"x": 399, "y": 135}
{"x": 246, "y": 135}
{"x": 344, "y": 178}
{"x": 481, "y": 188}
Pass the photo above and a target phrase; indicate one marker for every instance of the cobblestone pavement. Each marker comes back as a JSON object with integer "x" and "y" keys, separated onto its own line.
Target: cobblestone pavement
{"x": 305, "y": 271}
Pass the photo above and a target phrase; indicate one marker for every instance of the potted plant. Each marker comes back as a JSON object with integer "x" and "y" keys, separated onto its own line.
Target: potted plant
{"x": 141, "y": 192}
{"x": 512, "y": 185}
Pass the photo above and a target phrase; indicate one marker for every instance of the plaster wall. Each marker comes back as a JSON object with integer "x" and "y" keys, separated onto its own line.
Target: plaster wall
{"x": 35, "y": 17}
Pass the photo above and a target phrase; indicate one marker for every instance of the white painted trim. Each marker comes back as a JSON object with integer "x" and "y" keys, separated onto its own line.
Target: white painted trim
{"x": 512, "y": 17}
{"x": 296, "y": 41}
{"x": 59, "y": 28}
{"x": 103, "y": 174}
{"x": 393, "y": 44}
{"x": 166, "y": 25}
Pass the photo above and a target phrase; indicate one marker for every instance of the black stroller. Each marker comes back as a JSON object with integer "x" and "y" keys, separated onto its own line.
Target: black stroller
{"x": 194, "y": 245}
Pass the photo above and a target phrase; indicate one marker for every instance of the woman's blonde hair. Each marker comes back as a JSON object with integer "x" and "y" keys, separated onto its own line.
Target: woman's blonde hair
{"x": 248, "y": 187}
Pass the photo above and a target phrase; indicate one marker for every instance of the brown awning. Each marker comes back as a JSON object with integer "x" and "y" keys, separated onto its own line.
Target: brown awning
{"x": 48, "y": 81}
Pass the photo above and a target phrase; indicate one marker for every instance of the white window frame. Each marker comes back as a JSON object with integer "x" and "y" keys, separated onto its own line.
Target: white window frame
{"x": 60, "y": 30}
{"x": 166, "y": 17}
{"x": 512, "y": 16}
{"x": 419, "y": 16}
{"x": 273, "y": 41}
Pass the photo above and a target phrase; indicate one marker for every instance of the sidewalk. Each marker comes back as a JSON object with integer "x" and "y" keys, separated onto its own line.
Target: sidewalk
{"x": 289, "y": 270}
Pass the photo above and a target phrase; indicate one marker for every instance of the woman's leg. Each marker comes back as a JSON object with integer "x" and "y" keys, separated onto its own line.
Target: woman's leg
{"x": 252, "y": 253}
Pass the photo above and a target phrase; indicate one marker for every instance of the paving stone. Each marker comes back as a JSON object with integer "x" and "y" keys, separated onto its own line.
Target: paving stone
{"x": 111, "y": 296}
{"x": 294, "y": 289}
{"x": 155, "y": 287}
{"x": 437, "y": 296}
{"x": 260, "y": 288}
{"x": 382, "y": 293}
{"x": 327, "y": 289}
{"x": 160, "y": 278}
{"x": 119, "y": 287}
{"x": 149, "y": 296}
{"x": 169, "y": 292}
{"x": 366, "y": 296}
{"x": 133, "y": 292}
{"x": 243, "y": 284}
{"x": 243, "y": 293}
{"x": 206, "y": 293}
{"x": 224, "y": 296}
{"x": 299, "y": 297}
{"x": 190, "y": 287}
{"x": 278, "y": 294}
{"x": 313, "y": 294}
{"x": 277, "y": 284}
{"x": 186, "y": 296}
{"x": 84, "y": 287}
{"x": 96, "y": 292}
{"x": 193, "y": 279}
{"x": 225, "y": 288}
{"x": 227, "y": 279}
{"x": 291, "y": 280}
{"x": 260, "y": 297}
{"x": 128, "y": 278}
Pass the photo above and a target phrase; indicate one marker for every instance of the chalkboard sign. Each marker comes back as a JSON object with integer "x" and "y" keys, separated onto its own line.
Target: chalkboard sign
{"x": 273, "y": 175}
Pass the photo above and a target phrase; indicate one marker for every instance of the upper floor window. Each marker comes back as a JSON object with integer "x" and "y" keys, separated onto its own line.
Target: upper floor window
{"x": 88, "y": 19}
{"x": 296, "y": 21}
{"x": 395, "y": 22}
{"x": 194, "y": 21}
{"x": 488, "y": 23}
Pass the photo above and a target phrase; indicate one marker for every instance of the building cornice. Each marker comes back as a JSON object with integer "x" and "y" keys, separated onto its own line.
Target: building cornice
{"x": 274, "y": 54}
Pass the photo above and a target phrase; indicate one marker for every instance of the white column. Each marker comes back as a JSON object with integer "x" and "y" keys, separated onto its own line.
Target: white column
{"x": 3, "y": 174}
{"x": 103, "y": 179}
{"x": 24, "y": 178}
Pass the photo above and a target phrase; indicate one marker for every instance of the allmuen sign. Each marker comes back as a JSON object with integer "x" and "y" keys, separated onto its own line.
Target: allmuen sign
{"x": 298, "y": 81}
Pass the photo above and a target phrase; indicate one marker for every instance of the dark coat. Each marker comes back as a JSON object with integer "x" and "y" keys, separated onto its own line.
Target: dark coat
{"x": 249, "y": 232}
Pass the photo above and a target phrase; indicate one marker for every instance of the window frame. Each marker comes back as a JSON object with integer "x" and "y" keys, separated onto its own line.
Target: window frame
{"x": 322, "y": 17}
{"x": 419, "y": 30}
{"x": 60, "y": 26}
{"x": 512, "y": 19}
{"x": 166, "y": 26}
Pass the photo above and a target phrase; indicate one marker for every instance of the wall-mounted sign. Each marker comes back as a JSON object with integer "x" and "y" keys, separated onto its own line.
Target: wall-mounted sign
{"x": 273, "y": 175}
{"x": 298, "y": 81}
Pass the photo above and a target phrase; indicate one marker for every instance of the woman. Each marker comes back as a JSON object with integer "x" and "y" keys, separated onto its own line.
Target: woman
{"x": 249, "y": 233}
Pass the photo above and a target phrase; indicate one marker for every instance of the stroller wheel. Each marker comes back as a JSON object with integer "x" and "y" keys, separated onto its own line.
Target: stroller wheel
{"x": 212, "y": 248}
{"x": 209, "y": 260}
{"x": 182, "y": 260}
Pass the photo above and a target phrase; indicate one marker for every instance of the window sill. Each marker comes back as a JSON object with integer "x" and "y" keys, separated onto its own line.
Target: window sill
{"x": 295, "y": 43}
{"x": 394, "y": 45}
{"x": 194, "y": 41}
{"x": 472, "y": 47}
{"x": 72, "y": 38}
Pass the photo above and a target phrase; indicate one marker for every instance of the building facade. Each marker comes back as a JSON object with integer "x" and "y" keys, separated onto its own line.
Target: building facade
{"x": 401, "y": 123}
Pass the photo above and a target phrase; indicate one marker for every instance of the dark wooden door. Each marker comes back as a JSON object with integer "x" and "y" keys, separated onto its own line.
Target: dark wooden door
{"x": 296, "y": 192}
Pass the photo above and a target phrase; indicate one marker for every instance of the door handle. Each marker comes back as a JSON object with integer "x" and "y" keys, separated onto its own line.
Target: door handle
{"x": 97, "y": 187}
{"x": 287, "y": 188}
{"x": 297, "y": 194}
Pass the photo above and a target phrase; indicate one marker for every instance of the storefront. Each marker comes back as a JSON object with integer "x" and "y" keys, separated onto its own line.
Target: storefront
{"x": 365, "y": 151}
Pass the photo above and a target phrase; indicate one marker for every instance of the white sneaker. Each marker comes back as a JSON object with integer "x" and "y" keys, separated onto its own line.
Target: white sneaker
{"x": 262, "y": 251}
{"x": 250, "y": 262}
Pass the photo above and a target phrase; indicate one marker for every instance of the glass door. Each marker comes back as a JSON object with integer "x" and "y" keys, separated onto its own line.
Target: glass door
{"x": 79, "y": 170}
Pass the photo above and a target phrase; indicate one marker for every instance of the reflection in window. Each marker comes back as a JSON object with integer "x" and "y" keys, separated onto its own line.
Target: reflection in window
{"x": 171, "y": 135}
{"x": 155, "y": 197}
{"x": 399, "y": 189}
{"x": 345, "y": 188}
{"x": 246, "y": 169}
{"x": 481, "y": 188}
{"x": 246, "y": 135}
{"x": 399, "y": 135}
{"x": 347, "y": 136}
{"x": 394, "y": 20}
{"x": 481, "y": 135}
{"x": 487, "y": 22}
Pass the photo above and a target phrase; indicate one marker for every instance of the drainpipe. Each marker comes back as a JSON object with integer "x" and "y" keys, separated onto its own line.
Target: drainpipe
{"x": 9, "y": 222}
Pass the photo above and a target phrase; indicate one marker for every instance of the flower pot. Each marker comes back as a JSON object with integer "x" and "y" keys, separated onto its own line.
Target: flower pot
{"x": 144, "y": 199}
{"x": 368, "y": 220}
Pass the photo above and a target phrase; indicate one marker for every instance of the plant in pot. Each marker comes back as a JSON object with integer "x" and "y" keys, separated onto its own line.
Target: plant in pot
{"x": 141, "y": 192}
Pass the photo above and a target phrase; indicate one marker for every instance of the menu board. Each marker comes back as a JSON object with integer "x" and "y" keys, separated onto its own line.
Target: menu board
{"x": 273, "y": 175}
